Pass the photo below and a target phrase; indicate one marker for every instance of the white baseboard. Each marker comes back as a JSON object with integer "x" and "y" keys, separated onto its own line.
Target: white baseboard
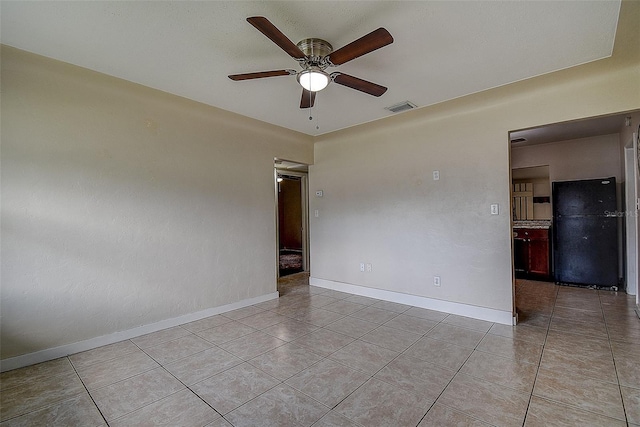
{"x": 482, "y": 313}
{"x": 77, "y": 347}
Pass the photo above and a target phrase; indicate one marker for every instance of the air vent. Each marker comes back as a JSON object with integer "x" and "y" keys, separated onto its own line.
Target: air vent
{"x": 403, "y": 106}
{"x": 513, "y": 141}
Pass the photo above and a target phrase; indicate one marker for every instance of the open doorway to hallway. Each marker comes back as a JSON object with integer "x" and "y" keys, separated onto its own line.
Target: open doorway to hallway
{"x": 292, "y": 217}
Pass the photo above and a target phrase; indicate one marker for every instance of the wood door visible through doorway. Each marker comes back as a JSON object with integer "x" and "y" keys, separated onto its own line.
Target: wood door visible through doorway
{"x": 290, "y": 225}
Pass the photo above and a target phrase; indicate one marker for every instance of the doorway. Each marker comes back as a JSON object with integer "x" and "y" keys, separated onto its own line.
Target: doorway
{"x": 292, "y": 217}
{"x": 579, "y": 150}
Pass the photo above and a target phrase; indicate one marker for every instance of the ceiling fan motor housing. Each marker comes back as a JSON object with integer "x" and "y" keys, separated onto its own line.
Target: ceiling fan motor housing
{"x": 315, "y": 50}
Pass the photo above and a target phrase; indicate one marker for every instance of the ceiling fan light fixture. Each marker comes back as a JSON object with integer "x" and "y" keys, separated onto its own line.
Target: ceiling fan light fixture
{"x": 313, "y": 79}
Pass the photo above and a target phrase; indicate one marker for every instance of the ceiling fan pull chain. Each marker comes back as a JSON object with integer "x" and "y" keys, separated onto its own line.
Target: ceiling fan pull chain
{"x": 311, "y": 117}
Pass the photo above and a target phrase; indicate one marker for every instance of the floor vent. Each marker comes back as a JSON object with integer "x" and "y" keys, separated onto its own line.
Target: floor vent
{"x": 403, "y": 106}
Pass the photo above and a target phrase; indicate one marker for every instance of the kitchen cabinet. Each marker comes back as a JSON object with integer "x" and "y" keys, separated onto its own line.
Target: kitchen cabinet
{"x": 532, "y": 252}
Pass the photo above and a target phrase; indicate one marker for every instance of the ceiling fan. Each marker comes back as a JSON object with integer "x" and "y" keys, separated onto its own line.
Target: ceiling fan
{"x": 314, "y": 56}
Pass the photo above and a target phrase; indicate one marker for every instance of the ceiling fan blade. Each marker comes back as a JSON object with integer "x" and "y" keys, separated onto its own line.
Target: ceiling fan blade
{"x": 268, "y": 29}
{"x": 358, "y": 84}
{"x": 372, "y": 41}
{"x": 261, "y": 74}
{"x": 308, "y": 99}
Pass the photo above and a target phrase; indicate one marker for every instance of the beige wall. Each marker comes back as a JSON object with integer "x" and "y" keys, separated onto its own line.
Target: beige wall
{"x": 123, "y": 206}
{"x": 381, "y": 205}
{"x": 584, "y": 158}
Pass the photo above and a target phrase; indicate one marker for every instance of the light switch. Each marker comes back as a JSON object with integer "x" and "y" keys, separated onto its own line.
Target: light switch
{"x": 316, "y": 213}
{"x": 495, "y": 209}
{"x": 319, "y": 193}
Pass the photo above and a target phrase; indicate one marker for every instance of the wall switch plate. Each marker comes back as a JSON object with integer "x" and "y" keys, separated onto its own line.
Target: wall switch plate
{"x": 495, "y": 209}
{"x": 362, "y": 267}
{"x": 369, "y": 268}
{"x": 436, "y": 280}
{"x": 319, "y": 193}
{"x": 436, "y": 175}
{"x": 316, "y": 213}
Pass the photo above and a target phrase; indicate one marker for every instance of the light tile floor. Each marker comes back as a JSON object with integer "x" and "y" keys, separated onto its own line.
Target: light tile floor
{"x": 326, "y": 358}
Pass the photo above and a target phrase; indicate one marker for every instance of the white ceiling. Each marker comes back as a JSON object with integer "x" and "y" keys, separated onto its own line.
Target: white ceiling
{"x": 442, "y": 49}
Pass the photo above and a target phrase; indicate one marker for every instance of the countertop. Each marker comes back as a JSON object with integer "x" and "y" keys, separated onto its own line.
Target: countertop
{"x": 538, "y": 223}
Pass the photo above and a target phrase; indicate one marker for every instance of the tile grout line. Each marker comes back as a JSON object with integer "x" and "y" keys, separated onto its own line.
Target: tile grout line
{"x": 569, "y": 405}
{"x": 88, "y": 392}
{"x": 56, "y": 402}
{"x": 187, "y": 387}
{"x": 454, "y": 375}
{"x": 340, "y": 363}
{"x": 140, "y": 373}
{"x": 282, "y": 382}
{"x": 373, "y": 375}
{"x": 615, "y": 366}
{"x": 160, "y": 365}
{"x": 544, "y": 344}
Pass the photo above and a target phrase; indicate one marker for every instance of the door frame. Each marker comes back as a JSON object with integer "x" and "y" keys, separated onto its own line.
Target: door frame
{"x": 304, "y": 199}
{"x": 630, "y": 218}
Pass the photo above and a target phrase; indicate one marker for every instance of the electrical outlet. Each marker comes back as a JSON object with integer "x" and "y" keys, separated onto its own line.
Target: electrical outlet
{"x": 495, "y": 209}
{"x": 369, "y": 268}
{"x": 362, "y": 267}
{"x": 436, "y": 175}
{"x": 436, "y": 280}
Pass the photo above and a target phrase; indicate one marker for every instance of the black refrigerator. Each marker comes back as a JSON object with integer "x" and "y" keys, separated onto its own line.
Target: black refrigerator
{"x": 585, "y": 232}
